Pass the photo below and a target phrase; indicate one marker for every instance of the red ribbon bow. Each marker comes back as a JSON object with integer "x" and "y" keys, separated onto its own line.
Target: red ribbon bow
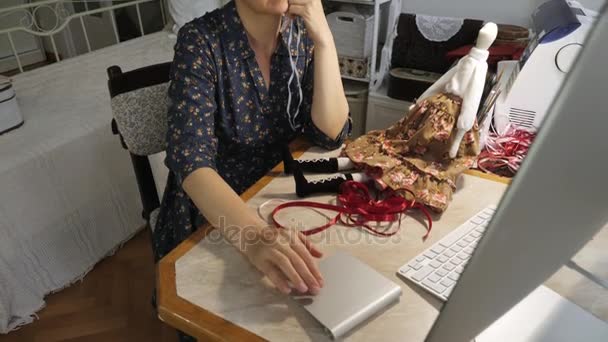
{"x": 356, "y": 208}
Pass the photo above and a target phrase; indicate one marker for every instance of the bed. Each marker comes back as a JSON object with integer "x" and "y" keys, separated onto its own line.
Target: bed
{"x": 68, "y": 194}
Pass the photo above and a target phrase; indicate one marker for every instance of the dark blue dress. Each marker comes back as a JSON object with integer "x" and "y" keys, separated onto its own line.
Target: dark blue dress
{"x": 222, "y": 115}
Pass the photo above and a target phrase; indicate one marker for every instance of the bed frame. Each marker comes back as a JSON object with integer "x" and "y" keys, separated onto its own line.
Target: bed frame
{"x": 62, "y": 14}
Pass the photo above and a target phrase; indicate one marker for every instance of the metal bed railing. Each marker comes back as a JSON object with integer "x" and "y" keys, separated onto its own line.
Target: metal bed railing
{"x": 30, "y": 20}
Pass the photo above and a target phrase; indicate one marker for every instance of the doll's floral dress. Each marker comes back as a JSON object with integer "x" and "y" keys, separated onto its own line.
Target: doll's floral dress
{"x": 413, "y": 153}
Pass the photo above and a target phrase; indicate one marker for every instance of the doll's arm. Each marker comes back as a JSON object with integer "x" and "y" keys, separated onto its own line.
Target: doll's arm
{"x": 438, "y": 86}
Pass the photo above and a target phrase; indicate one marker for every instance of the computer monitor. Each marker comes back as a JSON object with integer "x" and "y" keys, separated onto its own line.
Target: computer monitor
{"x": 554, "y": 206}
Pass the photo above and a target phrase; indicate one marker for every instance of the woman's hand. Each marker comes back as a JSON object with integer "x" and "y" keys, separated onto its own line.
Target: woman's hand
{"x": 314, "y": 19}
{"x": 285, "y": 256}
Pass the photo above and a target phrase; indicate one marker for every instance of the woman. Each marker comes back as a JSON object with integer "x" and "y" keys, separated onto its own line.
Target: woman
{"x": 229, "y": 120}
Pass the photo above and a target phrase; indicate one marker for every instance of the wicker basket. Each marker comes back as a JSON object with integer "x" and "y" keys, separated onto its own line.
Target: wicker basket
{"x": 353, "y": 33}
{"x": 354, "y": 67}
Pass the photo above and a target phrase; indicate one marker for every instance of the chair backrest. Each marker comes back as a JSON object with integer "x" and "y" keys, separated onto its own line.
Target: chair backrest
{"x": 139, "y": 108}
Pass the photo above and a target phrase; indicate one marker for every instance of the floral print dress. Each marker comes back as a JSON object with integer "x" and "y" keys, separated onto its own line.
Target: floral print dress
{"x": 413, "y": 153}
{"x": 223, "y": 116}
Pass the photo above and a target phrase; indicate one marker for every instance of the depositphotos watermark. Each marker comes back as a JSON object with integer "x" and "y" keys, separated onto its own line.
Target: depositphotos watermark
{"x": 334, "y": 235}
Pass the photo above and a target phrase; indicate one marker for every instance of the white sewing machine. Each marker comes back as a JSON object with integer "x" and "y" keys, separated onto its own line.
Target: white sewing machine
{"x": 529, "y": 85}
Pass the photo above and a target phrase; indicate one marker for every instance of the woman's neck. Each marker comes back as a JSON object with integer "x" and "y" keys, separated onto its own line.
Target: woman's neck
{"x": 262, "y": 29}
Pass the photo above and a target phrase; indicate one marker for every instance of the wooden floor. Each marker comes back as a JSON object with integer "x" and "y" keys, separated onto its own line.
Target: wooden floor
{"x": 112, "y": 303}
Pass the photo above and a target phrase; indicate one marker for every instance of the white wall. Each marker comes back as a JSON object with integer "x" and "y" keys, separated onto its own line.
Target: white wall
{"x": 592, "y": 4}
{"x": 515, "y": 12}
{"x": 501, "y": 11}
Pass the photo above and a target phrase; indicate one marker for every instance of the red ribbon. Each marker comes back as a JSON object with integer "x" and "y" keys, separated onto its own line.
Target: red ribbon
{"x": 356, "y": 208}
{"x": 504, "y": 153}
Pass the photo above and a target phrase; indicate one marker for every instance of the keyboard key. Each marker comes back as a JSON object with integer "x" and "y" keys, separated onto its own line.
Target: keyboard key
{"x": 480, "y": 229}
{"x": 457, "y": 234}
{"x": 447, "y": 282}
{"x": 435, "y": 264}
{"x": 462, "y": 244}
{"x": 468, "y": 250}
{"x": 423, "y": 273}
{"x": 434, "y": 278}
{"x": 448, "y": 267}
{"x": 485, "y": 224}
{"x": 484, "y": 216}
{"x": 434, "y": 286}
{"x": 454, "y": 276}
{"x": 438, "y": 249}
{"x": 430, "y": 254}
{"x": 448, "y": 253}
{"x": 475, "y": 234}
{"x": 477, "y": 220}
{"x": 459, "y": 269}
{"x": 463, "y": 256}
{"x": 456, "y": 248}
{"x": 420, "y": 258}
{"x": 456, "y": 261}
{"x": 441, "y": 273}
{"x": 416, "y": 267}
{"x": 468, "y": 239}
{"x": 442, "y": 258}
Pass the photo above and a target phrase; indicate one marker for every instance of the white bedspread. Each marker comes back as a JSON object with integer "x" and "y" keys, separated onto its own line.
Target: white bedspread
{"x": 68, "y": 195}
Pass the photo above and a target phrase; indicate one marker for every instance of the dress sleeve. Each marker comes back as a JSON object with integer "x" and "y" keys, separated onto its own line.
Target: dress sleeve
{"x": 191, "y": 139}
{"x": 311, "y": 131}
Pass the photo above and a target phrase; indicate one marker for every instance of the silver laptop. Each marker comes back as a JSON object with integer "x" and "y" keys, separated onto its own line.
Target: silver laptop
{"x": 352, "y": 292}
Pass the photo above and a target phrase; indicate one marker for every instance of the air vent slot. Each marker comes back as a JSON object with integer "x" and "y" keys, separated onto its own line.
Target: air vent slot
{"x": 522, "y": 117}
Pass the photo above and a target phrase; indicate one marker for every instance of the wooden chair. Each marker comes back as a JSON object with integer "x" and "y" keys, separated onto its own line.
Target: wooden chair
{"x": 139, "y": 109}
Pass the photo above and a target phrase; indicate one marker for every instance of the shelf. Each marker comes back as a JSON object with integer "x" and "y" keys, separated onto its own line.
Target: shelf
{"x": 362, "y": 2}
{"x": 382, "y": 92}
{"x": 355, "y": 78}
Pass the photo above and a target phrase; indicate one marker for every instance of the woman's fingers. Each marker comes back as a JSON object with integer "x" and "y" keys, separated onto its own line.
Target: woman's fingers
{"x": 302, "y": 267}
{"x": 284, "y": 264}
{"x": 299, "y": 10}
{"x": 307, "y": 257}
{"x": 277, "y": 278}
{"x": 314, "y": 251}
{"x": 300, "y": 2}
{"x": 285, "y": 258}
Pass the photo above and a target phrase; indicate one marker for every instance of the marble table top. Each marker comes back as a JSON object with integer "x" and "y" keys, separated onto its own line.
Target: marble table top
{"x": 213, "y": 276}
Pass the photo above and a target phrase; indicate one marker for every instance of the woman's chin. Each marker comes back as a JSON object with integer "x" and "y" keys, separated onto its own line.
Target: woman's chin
{"x": 278, "y": 7}
{"x": 268, "y": 7}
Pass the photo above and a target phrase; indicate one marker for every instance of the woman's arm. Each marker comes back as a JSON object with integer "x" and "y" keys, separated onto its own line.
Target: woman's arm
{"x": 329, "y": 106}
{"x": 285, "y": 256}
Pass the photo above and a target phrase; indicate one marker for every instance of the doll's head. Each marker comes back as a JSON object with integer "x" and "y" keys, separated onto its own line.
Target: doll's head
{"x": 486, "y": 36}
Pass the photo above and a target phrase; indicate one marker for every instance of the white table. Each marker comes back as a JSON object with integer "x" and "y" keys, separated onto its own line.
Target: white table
{"x": 68, "y": 195}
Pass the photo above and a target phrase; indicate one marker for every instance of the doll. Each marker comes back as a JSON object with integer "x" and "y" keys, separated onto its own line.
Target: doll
{"x": 425, "y": 151}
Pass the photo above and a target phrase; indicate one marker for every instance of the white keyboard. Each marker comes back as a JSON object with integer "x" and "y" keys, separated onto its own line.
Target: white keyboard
{"x": 437, "y": 269}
